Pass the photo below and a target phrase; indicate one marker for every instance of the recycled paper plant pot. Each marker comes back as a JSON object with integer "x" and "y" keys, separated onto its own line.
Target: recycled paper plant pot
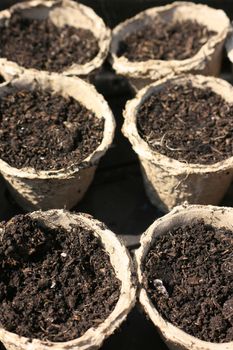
{"x": 121, "y": 262}
{"x": 175, "y": 338}
{"x": 61, "y": 12}
{"x": 58, "y": 188}
{"x": 169, "y": 182}
{"x": 206, "y": 61}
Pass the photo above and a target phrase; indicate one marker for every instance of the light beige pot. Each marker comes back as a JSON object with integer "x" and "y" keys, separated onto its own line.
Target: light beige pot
{"x": 121, "y": 262}
{"x": 59, "y": 188}
{"x": 61, "y": 12}
{"x": 207, "y": 61}
{"x": 175, "y": 338}
{"x": 169, "y": 182}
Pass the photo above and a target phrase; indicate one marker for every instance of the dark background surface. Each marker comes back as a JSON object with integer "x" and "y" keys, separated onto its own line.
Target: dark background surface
{"x": 117, "y": 195}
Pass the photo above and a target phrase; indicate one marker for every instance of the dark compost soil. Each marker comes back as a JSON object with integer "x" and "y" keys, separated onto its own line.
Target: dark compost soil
{"x": 45, "y": 131}
{"x": 165, "y": 41}
{"x": 188, "y": 124}
{"x": 40, "y": 44}
{"x": 53, "y": 285}
{"x": 188, "y": 274}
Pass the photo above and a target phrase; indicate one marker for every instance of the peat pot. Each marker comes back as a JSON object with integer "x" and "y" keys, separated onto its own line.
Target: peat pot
{"x": 169, "y": 182}
{"x": 61, "y": 13}
{"x": 122, "y": 265}
{"x": 174, "y": 337}
{"x": 41, "y": 189}
{"x": 206, "y": 61}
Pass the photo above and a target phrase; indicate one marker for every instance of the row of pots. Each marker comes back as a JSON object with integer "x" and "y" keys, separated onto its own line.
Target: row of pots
{"x": 168, "y": 182}
{"x": 131, "y": 287}
{"x": 207, "y": 61}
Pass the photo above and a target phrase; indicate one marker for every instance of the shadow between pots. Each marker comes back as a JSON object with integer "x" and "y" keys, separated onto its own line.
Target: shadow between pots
{"x": 136, "y": 333}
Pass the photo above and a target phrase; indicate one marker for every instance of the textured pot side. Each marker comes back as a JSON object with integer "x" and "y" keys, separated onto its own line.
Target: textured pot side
{"x": 207, "y": 61}
{"x": 121, "y": 262}
{"x": 62, "y": 12}
{"x": 59, "y": 188}
{"x": 169, "y": 182}
{"x": 175, "y": 338}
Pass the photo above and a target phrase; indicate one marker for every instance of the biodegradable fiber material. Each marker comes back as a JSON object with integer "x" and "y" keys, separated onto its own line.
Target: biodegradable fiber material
{"x": 61, "y": 12}
{"x": 169, "y": 182}
{"x": 59, "y": 188}
{"x": 121, "y": 262}
{"x": 207, "y": 60}
{"x": 175, "y": 338}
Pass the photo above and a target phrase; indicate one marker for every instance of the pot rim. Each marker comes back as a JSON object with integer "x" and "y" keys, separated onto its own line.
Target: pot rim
{"x": 158, "y": 68}
{"x": 64, "y": 83}
{"x": 93, "y": 337}
{"x": 143, "y": 149}
{"x": 169, "y": 331}
{"x": 12, "y": 68}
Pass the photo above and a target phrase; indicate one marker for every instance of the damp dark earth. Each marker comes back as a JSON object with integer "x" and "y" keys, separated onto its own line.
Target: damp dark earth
{"x": 40, "y": 44}
{"x": 163, "y": 40}
{"x": 55, "y": 284}
{"x": 188, "y": 274}
{"x": 186, "y": 123}
{"x": 46, "y": 131}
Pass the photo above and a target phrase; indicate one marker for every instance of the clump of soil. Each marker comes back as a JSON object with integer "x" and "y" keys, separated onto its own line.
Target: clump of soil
{"x": 54, "y": 285}
{"x": 188, "y": 124}
{"x": 188, "y": 274}
{"x": 45, "y": 131}
{"x": 163, "y": 40}
{"x": 39, "y": 44}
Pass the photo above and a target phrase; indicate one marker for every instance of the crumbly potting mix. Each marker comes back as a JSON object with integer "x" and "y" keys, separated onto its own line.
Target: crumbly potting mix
{"x": 40, "y": 44}
{"x": 54, "y": 284}
{"x": 186, "y": 123}
{"x": 188, "y": 274}
{"x": 46, "y": 131}
{"x": 163, "y": 40}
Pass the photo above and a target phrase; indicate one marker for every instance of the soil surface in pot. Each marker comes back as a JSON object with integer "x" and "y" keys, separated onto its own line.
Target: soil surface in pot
{"x": 54, "y": 284}
{"x": 163, "y": 40}
{"x": 46, "y": 131}
{"x": 188, "y": 274}
{"x": 186, "y": 123}
{"x": 40, "y": 44}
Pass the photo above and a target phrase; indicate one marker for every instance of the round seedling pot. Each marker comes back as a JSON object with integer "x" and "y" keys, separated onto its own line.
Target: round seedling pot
{"x": 63, "y": 188}
{"x": 169, "y": 182}
{"x": 175, "y": 338}
{"x": 122, "y": 265}
{"x": 61, "y": 13}
{"x": 206, "y": 61}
